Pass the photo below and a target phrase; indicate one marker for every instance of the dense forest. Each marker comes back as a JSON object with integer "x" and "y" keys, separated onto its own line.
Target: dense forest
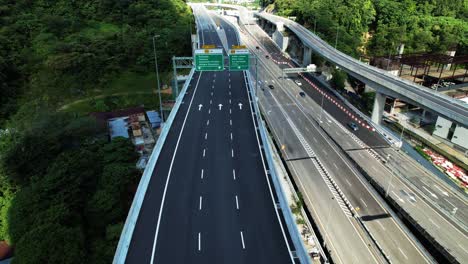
{"x": 64, "y": 189}
{"x": 378, "y": 27}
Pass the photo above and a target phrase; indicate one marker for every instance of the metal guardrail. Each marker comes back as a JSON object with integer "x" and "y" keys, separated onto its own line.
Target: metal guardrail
{"x": 130, "y": 222}
{"x": 296, "y": 238}
{"x": 391, "y": 83}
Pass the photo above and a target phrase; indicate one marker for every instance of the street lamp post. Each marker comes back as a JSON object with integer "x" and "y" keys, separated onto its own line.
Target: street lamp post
{"x": 401, "y": 134}
{"x": 328, "y": 222}
{"x": 391, "y": 178}
{"x": 321, "y": 107}
{"x": 157, "y": 76}
{"x": 336, "y": 39}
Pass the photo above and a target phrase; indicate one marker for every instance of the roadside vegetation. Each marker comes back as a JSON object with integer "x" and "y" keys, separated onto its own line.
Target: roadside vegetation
{"x": 64, "y": 189}
{"x": 378, "y": 27}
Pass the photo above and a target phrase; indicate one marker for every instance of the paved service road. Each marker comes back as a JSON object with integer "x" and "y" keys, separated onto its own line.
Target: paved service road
{"x": 209, "y": 200}
{"x": 444, "y": 105}
{"x": 299, "y": 133}
{"x": 442, "y": 229}
{"x": 423, "y": 192}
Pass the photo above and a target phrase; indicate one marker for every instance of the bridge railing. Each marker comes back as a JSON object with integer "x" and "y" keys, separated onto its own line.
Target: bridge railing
{"x": 127, "y": 232}
{"x": 301, "y": 251}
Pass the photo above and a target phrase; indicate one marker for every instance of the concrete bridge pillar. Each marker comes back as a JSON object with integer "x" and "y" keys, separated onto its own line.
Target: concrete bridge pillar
{"x": 307, "y": 56}
{"x": 379, "y": 104}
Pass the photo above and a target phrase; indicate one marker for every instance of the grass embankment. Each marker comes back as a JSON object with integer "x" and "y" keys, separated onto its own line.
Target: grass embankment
{"x": 129, "y": 90}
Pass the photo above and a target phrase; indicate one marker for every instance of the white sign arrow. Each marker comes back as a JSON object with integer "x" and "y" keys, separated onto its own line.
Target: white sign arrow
{"x": 199, "y": 107}
{"x": 220, "y": 105}
{"x": 240, "y": 106}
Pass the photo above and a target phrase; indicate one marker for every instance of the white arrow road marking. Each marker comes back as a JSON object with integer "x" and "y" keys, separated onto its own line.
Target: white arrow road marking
{"x": 401, "y": 200}
{"x": 442, "y": 191}
{"x": 240, "y": 106}
{"x": 220, "y": 105}
{"x": 431, "y": 193}
{"x": 199, "y": 107}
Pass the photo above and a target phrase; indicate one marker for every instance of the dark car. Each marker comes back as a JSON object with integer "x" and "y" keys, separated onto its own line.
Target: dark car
{"x": 267, "y": 56}
{"x": 302, "y": 94}
{"x": 257, "y": 47}
{"x": 271, "y": 87}
{"x": 353, "y": 126}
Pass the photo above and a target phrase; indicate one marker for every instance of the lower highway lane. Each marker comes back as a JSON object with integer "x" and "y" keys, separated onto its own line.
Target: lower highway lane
{"x": 391, "y": 237}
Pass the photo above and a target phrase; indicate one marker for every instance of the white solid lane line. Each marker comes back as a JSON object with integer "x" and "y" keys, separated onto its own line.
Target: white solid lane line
{"x": 403, "y": 253}
{"x": 432, "y": 221}
{"x": 463, "y": 248}
{"x": 169, "y": 174}
{"x": 202, "y": 172}
{"x": 242, "y": 239}
{"x": 200, "y": 206}
{"x": 237, "y": 203}
{"x": 199, "y": 241}
{"x": 363, "y": 202}
{"x": 204, "y": 152}
{"x": 234, "y": 174}
{"x": 378, "y": 222}
{"x": 348, "y": 182}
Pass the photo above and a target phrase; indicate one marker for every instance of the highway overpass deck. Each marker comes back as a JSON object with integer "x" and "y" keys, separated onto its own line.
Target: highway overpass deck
{"x": 428, "y": 217}
{"x": 378, "y": 79}
{"x": 209, "y": 199}
{"x": 296, "y": 134}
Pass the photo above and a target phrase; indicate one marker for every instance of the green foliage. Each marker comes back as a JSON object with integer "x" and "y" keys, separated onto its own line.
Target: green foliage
{"x": 338, "y": 79}
{"x": 368, "y": 101}
{"x": 423, "y": 26}
{"x": 51, "y": 243}
{"x": 74, "y": 186}
{"x": 58, "y": 51}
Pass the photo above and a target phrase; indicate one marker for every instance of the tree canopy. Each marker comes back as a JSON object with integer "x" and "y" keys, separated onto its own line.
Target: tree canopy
{"x": 377, "y": 27}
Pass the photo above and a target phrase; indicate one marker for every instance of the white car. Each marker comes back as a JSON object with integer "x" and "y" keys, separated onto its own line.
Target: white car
{"x": 298, "y": 82}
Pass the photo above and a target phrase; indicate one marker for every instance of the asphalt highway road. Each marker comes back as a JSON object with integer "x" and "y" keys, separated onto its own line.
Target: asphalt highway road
{"x": 421, "y": 96}
{"x": 396, "y": 244}
{"x": 444, "y": 231}
{"x": 446, "y": 199}
{"x": 209, "y": 200}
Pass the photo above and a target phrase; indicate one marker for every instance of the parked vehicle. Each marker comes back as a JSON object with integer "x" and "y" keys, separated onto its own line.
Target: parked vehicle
{"x": 271, "y": 87}
{"x": 298, "y": 82}
{"x": 302, "y": 94}
{"x": 267, "y": 56}
{"x": 353, "y": 126}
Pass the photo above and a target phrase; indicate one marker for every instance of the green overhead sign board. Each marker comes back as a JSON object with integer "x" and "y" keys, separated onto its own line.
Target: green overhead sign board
{"x": 239, "y": 59}
{"x": 209, "y": 60}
